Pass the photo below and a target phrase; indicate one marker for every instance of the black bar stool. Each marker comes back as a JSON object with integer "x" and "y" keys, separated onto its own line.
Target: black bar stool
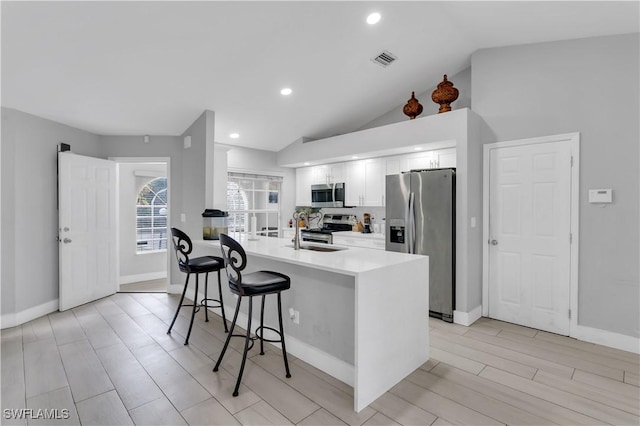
{"x": 258, "y": 283}
{"x": 198, "y": 265}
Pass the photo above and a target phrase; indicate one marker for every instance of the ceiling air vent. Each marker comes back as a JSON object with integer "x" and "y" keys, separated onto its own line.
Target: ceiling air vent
{"x": 384, "y": 59}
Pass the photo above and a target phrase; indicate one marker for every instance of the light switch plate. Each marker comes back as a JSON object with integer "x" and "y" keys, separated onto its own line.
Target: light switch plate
{"x": 600, "y": 195}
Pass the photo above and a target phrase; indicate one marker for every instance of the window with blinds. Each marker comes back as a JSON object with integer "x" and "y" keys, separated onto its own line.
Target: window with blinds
{"x": 253, "y": 195}
{"x": 151, "y": 216}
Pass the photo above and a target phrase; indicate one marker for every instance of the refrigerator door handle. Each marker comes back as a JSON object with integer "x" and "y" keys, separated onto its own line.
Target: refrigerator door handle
{"x": 411, "y": 225}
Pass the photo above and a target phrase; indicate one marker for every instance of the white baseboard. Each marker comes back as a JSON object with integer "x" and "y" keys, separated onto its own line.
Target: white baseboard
{"x": 17, "y": 318}
{"x": 467, "y": 318}
{"x": 331, "y": 365}
{"x": 608, "y": 338}
{"x": 126, "y": 279}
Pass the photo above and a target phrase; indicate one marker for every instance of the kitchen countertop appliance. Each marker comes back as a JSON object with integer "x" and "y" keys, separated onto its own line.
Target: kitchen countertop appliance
{"x": 330, "y": 223}
{"x": 420, "y": 219}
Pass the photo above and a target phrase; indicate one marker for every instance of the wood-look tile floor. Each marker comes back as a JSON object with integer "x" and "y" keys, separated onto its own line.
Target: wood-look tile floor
{"x": 111, "y": 362}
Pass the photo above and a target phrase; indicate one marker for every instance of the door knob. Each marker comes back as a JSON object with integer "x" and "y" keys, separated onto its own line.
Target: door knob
{"x": 66, "y": 240}
{"x": 494, "y": 242}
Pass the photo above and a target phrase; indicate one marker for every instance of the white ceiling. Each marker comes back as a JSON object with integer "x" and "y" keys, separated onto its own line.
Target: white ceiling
{"x": 136, "y": 68}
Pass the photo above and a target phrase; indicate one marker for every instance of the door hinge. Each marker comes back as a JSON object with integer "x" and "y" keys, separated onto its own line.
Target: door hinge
{"x": 569, "y": 313}
{"x": 572, "y": 161}
{"x": 570, "y": 238}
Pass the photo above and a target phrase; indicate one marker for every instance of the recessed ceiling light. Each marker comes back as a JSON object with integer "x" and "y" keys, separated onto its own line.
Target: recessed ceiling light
{"x": 306, "y": 164}
{"x": 355, "y": 157}
{"x": 286, "y": 91}
{"x": 373, "y": 18}
{"x": 417, "y": 148}
{"x": 234, "y": 135}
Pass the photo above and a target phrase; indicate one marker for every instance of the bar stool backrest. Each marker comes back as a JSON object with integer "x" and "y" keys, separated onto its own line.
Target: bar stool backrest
{"x": 183, "y": 247}
{"x": 235, "y": 259}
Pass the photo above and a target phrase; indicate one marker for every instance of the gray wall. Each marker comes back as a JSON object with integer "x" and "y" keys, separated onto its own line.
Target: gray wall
{"x": 29, "y": 206}
{"x": 461, "y": 81}
{"x": 590, "y": 86}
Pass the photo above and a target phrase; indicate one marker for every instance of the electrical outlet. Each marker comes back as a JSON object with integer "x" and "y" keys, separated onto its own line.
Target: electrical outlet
{"x": 296, "y": 317}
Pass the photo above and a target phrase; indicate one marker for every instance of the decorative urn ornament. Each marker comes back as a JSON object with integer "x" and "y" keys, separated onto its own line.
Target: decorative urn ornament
{"x": 413, "y": 107}
{"x": 444, "y": 95}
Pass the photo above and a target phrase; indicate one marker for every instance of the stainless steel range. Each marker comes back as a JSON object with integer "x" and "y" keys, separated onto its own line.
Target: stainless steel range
{"x": 330, "y": 223}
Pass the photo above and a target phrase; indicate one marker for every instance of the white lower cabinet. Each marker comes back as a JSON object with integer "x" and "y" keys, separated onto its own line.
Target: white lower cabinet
{"x": 374, "y": 243}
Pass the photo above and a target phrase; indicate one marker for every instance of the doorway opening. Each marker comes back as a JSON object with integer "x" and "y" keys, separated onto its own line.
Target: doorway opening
{"x": 144, "y": 221}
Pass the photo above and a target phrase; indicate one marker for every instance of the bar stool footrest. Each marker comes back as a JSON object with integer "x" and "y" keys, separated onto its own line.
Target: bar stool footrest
{"x": 259, "y": 334}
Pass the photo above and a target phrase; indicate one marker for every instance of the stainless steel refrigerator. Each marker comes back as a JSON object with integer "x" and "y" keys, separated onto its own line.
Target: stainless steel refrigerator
{"x": 420, "y": 219}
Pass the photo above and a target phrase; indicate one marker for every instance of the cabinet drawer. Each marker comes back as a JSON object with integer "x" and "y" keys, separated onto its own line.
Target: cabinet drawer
{"x": 359, "y": 242}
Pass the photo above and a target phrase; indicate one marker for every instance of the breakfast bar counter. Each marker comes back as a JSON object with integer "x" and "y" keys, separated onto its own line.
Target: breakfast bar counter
{"x": 362, "y": 313}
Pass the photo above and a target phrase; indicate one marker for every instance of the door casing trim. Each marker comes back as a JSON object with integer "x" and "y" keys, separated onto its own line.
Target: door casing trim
{"x": 574, "y": 140}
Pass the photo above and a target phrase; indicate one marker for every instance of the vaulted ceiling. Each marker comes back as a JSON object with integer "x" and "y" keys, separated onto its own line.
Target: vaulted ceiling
{"x": 128, "y": 68}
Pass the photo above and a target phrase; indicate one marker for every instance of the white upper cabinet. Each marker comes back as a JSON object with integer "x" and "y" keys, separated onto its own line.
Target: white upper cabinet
{"x": 354, "y": 183}
{"x": 365, "y": 179}
{"x": 304, "y": 179}
{"x": 313, "y": 175}
{"x": 374, "y": 180}
{"x": 445, "y": 157}
{"x": 365, "y": 182}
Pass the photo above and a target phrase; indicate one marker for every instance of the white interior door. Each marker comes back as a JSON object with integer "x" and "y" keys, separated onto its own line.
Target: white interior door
{"x": 87, "y": 221}
{"x": 529, "y": 235}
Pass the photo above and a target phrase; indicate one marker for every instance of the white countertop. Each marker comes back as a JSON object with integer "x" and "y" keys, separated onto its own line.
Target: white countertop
{"x": 350, "y": 261}
{"x": 351, "y": 234}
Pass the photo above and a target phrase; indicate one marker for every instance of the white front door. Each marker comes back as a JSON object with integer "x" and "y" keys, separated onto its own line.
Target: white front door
{"x": 529, "y": 235}
{"x": 87, "y": 229}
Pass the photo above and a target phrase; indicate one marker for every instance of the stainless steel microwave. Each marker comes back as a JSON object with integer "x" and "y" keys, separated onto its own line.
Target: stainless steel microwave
{"x": 331, "y": 195}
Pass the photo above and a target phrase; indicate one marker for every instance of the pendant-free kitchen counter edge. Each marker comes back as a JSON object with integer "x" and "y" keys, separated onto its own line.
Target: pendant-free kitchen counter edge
{"x": 346, "y": 260}
{"x": 363, "y": 312}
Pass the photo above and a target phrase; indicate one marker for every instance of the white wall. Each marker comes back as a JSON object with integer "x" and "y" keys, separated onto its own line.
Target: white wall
{"x": 132, "y": 264}
{"x": 29, "y": 207}
{"x": 590, "y": 86}
{"x": 461, "y": 81}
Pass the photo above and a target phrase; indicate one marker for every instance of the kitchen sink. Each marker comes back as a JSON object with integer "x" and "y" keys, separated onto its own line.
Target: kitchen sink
{"x": 319, "y": 248}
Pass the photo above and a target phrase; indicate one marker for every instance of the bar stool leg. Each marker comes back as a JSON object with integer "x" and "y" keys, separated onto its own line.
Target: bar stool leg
{"x": 262, "y": 326}
{"x": 246, "y": 347}
{"x": 224, "y": 319}
{"x": 186, "y": 284}
{"x": 206, "y": 286}
{"x": 193, "y": 312}
{"x": 284, "y": 348}
{"x": 226, "y": 343}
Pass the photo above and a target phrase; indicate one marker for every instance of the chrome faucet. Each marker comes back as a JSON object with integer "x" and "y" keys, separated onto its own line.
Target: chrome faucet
{"x": 297, "y": 216}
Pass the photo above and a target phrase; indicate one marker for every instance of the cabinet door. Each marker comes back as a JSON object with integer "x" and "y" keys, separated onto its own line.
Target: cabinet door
{"x": 445, "y": 157}
{"x": 304, "y": 178}
{"x": 392, "y": 165}
{"x": 421, "y": 160}
{"x": 355, "y": 175}
{"x": 320, "y": 174}
{"x": 336, "y": 173}
{"x": 374, "y": 182}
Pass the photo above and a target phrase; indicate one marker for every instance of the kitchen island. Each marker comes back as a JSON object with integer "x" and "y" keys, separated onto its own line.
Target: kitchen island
{"x": 363, "y": 313}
